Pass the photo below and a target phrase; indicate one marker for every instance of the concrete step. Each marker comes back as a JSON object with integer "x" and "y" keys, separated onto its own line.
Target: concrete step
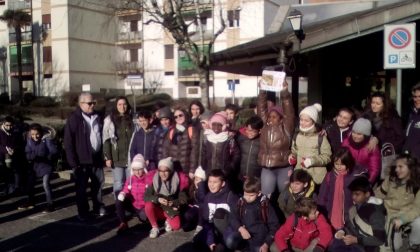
{"x": 67, "y": 175}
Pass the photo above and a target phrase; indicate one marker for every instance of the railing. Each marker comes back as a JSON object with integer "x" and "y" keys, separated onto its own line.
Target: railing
{"x": 19, "y": 5}
{"x": 25, "y": 36}
{"x": 125, "y": 67}
{"x": 129, "y": 37}
{"x": 27, "y": 69}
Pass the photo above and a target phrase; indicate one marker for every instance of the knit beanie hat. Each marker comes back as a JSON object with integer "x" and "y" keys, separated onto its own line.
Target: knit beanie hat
{"x": 219, "y": 117}
{"x": 206, "y": 116}
{"x": 276, "y": 109}
{"x": 312, "y": 111}
{"x": 167, "y": 162}
{"x": 165, "y": 112}
{"x": 138, "y": 162}
{"x": 200, "y": 173}
{"x": 362, "y": 126}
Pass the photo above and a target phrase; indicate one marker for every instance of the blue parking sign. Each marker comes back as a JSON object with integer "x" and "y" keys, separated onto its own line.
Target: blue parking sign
{"x": 393, "y": 59}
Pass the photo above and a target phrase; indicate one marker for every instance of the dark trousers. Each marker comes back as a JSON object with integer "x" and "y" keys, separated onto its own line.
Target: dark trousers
{"x": 190, "y": 218}
{"x": 126, "y": 205}
{"x": 82, "y": 175}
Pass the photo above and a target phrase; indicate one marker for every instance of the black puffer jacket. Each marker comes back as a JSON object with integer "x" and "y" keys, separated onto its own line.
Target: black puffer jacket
{"x": 249, "y": 155}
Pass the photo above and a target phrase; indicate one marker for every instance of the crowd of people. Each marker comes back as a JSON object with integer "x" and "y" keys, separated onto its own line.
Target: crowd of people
{"x": 276, "y": 182}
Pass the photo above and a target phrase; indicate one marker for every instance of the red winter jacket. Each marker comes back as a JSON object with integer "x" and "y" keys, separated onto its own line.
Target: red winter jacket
{"x": 305, "y": 231}
{"x": 370, "y": 160}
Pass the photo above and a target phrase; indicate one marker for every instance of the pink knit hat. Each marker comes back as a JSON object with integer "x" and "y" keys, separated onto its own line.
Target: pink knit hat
{"x": 219, "y": 117}
{"x": 276, "y": 109}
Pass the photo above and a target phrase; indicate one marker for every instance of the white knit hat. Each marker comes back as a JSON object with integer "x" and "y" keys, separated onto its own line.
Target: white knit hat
{"x": 200, "y": 173}
{"x": 167, "y": 162}
{"x": 138, "y": 162}
{"x": 312, "y": 111}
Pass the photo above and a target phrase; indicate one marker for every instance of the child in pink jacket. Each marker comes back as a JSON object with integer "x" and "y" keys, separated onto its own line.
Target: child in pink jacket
{"x": 358, "y": 143}
{"x": 305, "y": 230}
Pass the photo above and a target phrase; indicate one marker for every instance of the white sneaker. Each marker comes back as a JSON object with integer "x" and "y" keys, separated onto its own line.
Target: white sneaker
{"x": 168, "y": 227}
{"x": 154, "y": 232}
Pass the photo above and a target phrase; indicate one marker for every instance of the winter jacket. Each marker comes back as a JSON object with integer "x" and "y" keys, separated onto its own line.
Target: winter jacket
{"x": 287, "y": 199}
{"x": 196, "y": 195}
{"x": 326, "y": 192}
{"x": 161, "y": 134}
{"x": 118, "y": 151}
{"x": 367, "y": 223}
{"x": 137, "y": 191}
{"x": 77, "y": 142}
{"x": 399, "y": 202}
{"x": 12, "y": 140}
{"x": 224, "y": 199}
{"x": 144, "y": 142}
{"x": 305, "y": 231}
{"x": 371, "y": 160}
{"x": 249, "y": 155}
{"x": 224, "y": 155}
{"x": 306, "y": 145}
{"x": 182, "y": 147}
{"x": 335, "y": 135}
{"x": 179, "y": 198}
{"x": 412, "y": 134}
{"x": 390, "y": 131}
{"x": 261, "y": 231}
{"x": 40, "y": 154}
{"x": 275, "y": 140}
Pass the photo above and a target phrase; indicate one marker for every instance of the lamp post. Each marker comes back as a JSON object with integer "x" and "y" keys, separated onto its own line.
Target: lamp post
{"x": 295, "y": 18}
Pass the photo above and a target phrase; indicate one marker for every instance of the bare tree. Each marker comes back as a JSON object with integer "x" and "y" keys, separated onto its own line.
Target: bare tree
{"x": 175, "y": 17}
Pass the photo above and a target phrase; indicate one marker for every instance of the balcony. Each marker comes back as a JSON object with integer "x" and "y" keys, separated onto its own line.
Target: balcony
{"x": 26, "y": 38}
{"x": 130, "y": 9}
{"x": 134, "y": 37}
{"x": 20, "y": 5}
{"x": 27, "y": 69}
{"x": 125, "y": 67}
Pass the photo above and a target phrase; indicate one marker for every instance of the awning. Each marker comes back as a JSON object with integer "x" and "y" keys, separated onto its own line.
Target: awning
{"x": 361, "y": 19}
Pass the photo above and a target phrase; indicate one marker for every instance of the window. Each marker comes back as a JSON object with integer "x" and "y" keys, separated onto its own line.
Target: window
{"x": 46, "y": 54}
{"x": 233, "y": 18}
{"x": 46, "y": 21}
{"x": 169, "y": 51}
{"x": 134, "y": 55}
{"x": 2, "y": 2}
{"x": 169, "y": 73}
{"x": 134, "y": 25}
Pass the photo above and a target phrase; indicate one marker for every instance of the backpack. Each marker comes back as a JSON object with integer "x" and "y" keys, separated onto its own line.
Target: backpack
{"x": 320, "y": 140}
{"x": 172, "y": 131}
{"x": 264, "y": 204}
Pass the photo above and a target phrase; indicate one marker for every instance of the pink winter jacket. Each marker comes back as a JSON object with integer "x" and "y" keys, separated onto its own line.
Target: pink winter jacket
{"x": 371, "y": 160}
{"x": 138, "y": 187}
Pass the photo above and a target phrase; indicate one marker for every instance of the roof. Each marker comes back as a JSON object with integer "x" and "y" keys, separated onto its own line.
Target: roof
{"x": 324, "y": 25}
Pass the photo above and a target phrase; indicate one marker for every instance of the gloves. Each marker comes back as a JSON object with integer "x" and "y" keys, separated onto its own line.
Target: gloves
{"x": 121, "y": 196}
{"x": 307, "y": 163}
{"x": 292, "y": 160}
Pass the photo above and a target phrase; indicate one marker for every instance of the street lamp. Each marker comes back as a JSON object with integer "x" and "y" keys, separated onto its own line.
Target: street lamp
{"x": 295, "y": 18}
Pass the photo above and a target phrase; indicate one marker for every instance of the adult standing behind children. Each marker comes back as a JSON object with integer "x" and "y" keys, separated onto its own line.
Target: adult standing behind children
{"x": 117, "y": 132}
{"x": 412, "y": 140}
{"x": 83, "y": 145}
{"x": 181, "y": 144}
{"x": 279, "y": 123}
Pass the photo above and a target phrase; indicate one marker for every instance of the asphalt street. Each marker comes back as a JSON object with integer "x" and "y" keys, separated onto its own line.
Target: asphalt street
{"x": 33, "y": 230}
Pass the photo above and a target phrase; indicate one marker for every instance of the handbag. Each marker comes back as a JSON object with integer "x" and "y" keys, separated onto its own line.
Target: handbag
{"x": 388, "y": 157}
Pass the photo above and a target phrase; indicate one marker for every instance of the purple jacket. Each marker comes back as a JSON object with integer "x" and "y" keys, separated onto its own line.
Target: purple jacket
{"x": 77, "y": 142}
{"x": 326, "y": 192}
{"x": 371, "y": 160}
{"x": 39, "y": 155}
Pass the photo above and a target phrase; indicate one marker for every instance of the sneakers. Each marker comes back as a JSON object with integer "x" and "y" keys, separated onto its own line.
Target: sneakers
{"x": 122, "y": 228}
{"x": 26, "y": 206}
{"x": 198, "y": 229}
{"x": 168, "y": 227}
{"x": 154, "y": 232}
{"x": 100, "y": 212}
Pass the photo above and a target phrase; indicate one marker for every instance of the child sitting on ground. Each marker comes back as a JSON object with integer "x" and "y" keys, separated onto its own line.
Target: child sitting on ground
{"x": 131, "y": 198}
{"x": 365, "y": 228}
{"x": 257, "y": 218}
{"x": 40, "y": 151}
{"x": 305, "y": 230}
{"x": 301, "y": 186}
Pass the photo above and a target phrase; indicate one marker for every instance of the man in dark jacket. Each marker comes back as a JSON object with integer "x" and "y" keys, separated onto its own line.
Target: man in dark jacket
{"x": 83, "y": 145}
{"x": 412, "y": 140}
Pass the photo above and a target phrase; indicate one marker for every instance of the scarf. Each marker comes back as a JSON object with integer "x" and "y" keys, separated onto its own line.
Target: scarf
{"x": 212, "y": 137}
{"x": 337, "y": 211}
{"x": 305, "y": 130}
{"x": 167, "y": 188}
{"x": 109, "y": 132}
{"x": 377, "y": 121}
{"x": 95, "y": 134}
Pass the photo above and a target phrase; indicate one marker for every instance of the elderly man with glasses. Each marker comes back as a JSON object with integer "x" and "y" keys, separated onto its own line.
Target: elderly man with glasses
{"x": 83, "y": 145}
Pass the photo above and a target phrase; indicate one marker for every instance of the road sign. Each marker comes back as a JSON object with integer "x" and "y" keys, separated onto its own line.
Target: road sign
{"x": 400, "y": 46}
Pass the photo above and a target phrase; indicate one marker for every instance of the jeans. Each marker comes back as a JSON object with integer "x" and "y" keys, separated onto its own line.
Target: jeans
{"x": 120, "y": 175}
{"x": 47, "y": 188}
{"x": 82, "y": 175}
{"x": 271, "y": 177}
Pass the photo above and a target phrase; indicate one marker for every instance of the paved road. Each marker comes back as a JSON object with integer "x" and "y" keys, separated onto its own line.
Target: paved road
{"x": 32, "y": 230}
